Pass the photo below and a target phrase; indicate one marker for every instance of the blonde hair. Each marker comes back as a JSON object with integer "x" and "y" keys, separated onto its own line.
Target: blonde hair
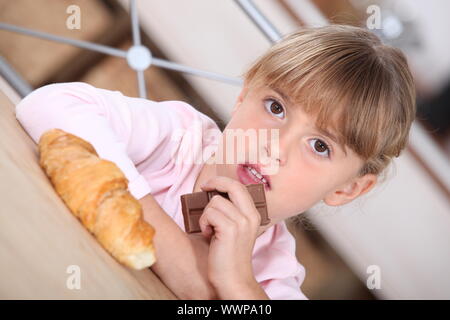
{"x": 349, "y": 80}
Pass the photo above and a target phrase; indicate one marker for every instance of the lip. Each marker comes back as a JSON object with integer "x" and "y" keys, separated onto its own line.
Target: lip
{"x": 244, "y": 177}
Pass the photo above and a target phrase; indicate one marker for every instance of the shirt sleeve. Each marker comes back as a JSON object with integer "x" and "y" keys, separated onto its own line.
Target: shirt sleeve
{"x": 122, "y": 129}
{"x": 275, "y": 264}
{"x": 284, "y": 289}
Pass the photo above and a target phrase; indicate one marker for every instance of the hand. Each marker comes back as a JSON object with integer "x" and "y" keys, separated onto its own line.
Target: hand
{"x": 232, "y": 225}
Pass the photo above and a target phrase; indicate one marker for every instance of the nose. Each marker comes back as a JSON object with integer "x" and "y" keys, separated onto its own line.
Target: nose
{"x": 278, "y": 146}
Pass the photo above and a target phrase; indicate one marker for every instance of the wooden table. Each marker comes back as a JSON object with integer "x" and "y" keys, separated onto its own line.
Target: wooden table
{"x": 42, "y": 245}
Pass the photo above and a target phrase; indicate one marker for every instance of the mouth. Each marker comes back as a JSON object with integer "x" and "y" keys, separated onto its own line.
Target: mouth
{"x": 251, "y": 173}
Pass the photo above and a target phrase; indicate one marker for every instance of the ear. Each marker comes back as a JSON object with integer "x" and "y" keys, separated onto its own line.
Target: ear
{"x": 351, "y": 190}
{"x": 240, "y": 99}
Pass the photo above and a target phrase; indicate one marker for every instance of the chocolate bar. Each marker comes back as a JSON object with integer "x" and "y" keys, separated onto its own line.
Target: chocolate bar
{"x": 193, "y": 204}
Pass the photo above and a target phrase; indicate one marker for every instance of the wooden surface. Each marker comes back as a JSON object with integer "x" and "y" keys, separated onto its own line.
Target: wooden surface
{"x": 40, "y": 239}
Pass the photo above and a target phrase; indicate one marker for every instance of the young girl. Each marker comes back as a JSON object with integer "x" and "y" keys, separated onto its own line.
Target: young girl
{"x": 342, "y": 105}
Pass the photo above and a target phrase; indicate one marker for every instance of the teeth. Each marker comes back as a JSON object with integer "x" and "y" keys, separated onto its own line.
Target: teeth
{"x": 256, "y": 174}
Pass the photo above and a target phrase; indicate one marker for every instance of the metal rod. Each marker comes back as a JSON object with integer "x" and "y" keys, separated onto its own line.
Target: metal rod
{"x": 141, "y": 84}
{"x": 137, "y": 42}
{"x": 260, "y": 20}
{"x": 76, "y": 43}
{"x": 122, "y": 53}
{"x": 206, "y": 74}
{"x": 14, "y": 79}
{"x": 135, "y": 23}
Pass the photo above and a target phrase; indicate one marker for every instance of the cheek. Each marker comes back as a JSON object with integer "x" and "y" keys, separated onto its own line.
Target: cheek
{"x": 314, "y": 170}
{"x": 249, "y": 115}
{"x": 314, "y": 178}
{"x": 308, "y": 184}
{"x": 301, "y": 191}
{"x": 301, "y": 188}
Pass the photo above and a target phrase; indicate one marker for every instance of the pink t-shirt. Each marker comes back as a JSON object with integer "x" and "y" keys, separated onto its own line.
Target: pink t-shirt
{"x": 146, "y": 140}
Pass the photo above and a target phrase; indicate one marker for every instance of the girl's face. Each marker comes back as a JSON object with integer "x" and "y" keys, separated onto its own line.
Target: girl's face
{"x": 311, "y": 166}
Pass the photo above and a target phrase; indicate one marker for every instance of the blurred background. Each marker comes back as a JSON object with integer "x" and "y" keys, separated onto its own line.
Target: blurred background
{"x": 398, "y": 233}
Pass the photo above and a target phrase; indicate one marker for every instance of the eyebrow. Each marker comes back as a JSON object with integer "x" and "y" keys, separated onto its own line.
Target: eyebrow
{"x": 284, "y": 96}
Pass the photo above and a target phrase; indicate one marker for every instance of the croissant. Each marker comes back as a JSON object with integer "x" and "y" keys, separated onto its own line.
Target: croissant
{"x": 95, "y": 191}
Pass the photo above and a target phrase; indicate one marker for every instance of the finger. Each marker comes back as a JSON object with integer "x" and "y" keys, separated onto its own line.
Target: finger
{"x": 207, "y": 231}
{"x": 219, "y": 222}
{"x": 238, "y": 194}
{"x": 229, "y": 209}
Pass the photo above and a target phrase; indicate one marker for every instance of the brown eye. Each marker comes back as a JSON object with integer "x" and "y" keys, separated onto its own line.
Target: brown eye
{"x": 274, "y": 107}
{"x": 321, "y": 148}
